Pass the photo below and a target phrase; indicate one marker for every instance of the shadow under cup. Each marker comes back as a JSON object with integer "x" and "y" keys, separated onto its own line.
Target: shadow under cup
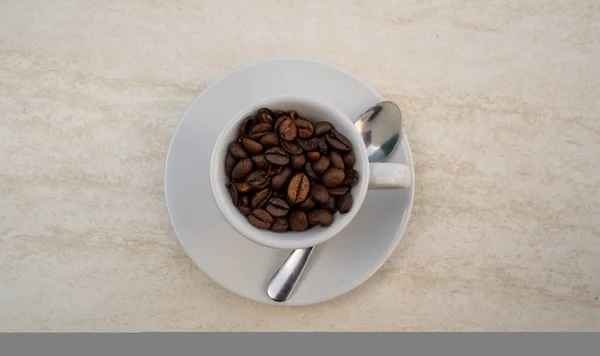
{"x": 314, "y": 111}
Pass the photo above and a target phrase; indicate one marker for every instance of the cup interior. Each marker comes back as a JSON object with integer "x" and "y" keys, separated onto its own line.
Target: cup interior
{"x": 313, "y": 111}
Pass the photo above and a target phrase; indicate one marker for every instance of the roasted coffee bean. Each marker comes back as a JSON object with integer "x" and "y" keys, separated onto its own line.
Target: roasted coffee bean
{"x": 273, "y": 170}
{"x": 338, "y": 142}
{"x": 321, "y": 128}
{"x": 293, "y": 114}
{"x": 341, "y": 190}
{"x": 321, "y": 217}
{"x": 310, "y": 144}
{"x": 298, "y": 188}
{"x": 247, "y": 125}
{"x": 234, "y": 193}
{"x": 282, "y": 178}
{"x": 244, "y": 205}
{"x": 278, "y": 207}
{"x": 261, "y": 198}
{"x": 307, "y": 204}
{"x": 322, "y": 146}
{"x": 280, "y": 118}
{"x": 241, "y": 169}
{"x": 237, "y": 151}
{"x": 242, "y": 187}
{"x": 313, "y": 156}
{"x": 287, "y": 130}
{"x": 298, "y": 221}
{"x": 298, "y": 161}
{"x": 291, "y": 147}
{"x": 331, "y": 204}
{"x": 258, "y": 180}
{"x": 269, "y": 140}
{"x": 260, "y": 219}
{"x": 351, "y": 178}
{"x": 305, "y": 128}
{"x": 333, "y": 177}
{"x": 349, "y": 160}
{"x": 310, "y": 172}
{"x": 321, "y": 165}
{"x": 345, "y": 203}
{"x": 252, "y": 146}
{"x": 260, "y": 161}
{"x": 319, "y": 193}
{"x": 277, "y": 156}
{"x": 265, "y": 115}
{"x": 336, "y": 160}
{"x": 230, "y": 162}
{"x": 280, "y": 225}
{"x": 259, "y": 130}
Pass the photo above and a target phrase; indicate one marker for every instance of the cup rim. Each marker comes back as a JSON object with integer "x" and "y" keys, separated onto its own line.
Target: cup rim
{"x": 289, "y": 239}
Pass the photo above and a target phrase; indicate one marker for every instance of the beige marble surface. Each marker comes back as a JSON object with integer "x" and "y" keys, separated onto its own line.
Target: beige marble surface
{"x": 501, "y": 107}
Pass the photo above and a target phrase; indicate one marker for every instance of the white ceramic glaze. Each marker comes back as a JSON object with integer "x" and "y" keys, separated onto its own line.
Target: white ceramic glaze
{"x": 234, "y": 261}
{"x": 388, "y": 175}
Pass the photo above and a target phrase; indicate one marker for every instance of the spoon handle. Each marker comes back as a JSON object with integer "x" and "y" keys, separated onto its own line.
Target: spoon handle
{"x": 286, "y": 278}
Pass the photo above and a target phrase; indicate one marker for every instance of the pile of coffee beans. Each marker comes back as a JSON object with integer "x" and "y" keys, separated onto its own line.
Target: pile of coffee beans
{"x": 288, "y": 173}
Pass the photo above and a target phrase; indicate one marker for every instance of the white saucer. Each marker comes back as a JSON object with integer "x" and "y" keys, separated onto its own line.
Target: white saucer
{"x": 238, "y": 264}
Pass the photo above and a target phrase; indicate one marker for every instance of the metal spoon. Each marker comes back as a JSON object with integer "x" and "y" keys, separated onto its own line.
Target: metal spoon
{"x": 380, "y": 128}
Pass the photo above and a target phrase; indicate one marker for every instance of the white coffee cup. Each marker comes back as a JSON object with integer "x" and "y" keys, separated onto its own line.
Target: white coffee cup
{"x": 371, "y": 175}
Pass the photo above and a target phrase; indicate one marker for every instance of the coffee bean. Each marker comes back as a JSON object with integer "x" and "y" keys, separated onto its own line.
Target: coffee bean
{"x": 336, "y": 160}
{"x": 321, "y": 128}
{"x": 230, "y": 162}
{"x": 278, "y": 207}
{"x": 293, "y": 114}
{"x": 309, "y": 145}
{"x": 351, "y": 178}
{"x": 321, "y": 217}
{"x": 281, "y": 118}
{"x": 305, "y": 128}
{"x": 241, "y": 169}
{"x": 282, "y": 178}
{"x": 280, "y": 225}
{"x": 244, "y": 205}
{"x": 234, "y": 193}
{"x": 260, "y": 219}
{"x": 291, "y": 148}
{"x": 261, "y": 198}
{"x": 265, "y": 115}
{"x": 269, "y": 140}
{"x": 251, "y": 145}
{"x": 247, "y": 125}
{"x": 307, "y": 204}
{"x": 345, "y": 203}
{"x": 298, "y": 188}
{"x": 298, "y": 161}
{"x": 287, "y": 130}
{"x": 321, "y": 165}
{"x": 237, "y": 151}
{"x": 338, "y": 190}
{"x": 242, "y": 187}
{"x": 260, "y": 161}
{"x": 298, "y": 221}
{"x": 349, "y": 160}
{"x": 338, "y": 142}
{"x": 259, "y": 130}
{"x": 313, "y": 156}
{"x": 331, "y": 204}
{"x": 258, "y": 180}
{"x": 318, "y": 193}
{"x": 277, "y": 156}
{"x": 322, "y": 146}
{"x": 333, "y": 177}
{"x": 273, "y": 170}
{"x": 310, "y": 172}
